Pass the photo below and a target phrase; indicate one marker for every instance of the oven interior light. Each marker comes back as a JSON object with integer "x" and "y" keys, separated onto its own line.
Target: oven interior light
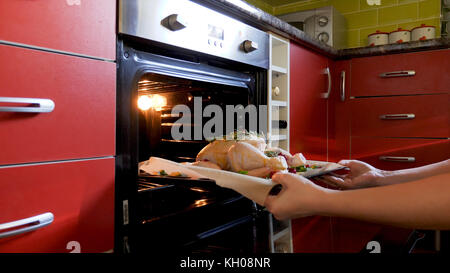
{"x": 144, "y": 103}
{"x": 156, "y": 102}
{"x": 159, "y": 102}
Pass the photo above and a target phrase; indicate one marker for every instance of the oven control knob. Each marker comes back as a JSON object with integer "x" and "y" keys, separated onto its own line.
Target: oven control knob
{"x": 174, "y": 22}
{"x": 322, "y": 21}
{"x": 323, "y": 37}
{"x": 249, "y": 46}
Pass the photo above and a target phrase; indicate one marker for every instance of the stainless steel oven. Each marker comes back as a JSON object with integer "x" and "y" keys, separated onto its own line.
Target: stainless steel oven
{"x": 176, "y": 52}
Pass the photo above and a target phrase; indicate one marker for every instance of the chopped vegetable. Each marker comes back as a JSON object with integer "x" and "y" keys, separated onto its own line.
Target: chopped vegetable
{"x": 162, "y": 172}
{"x": 271, "y": 153}
{"x": 243, "y": 172}
{"x": 292, "y": 170}
{"x": 301, "y": 169}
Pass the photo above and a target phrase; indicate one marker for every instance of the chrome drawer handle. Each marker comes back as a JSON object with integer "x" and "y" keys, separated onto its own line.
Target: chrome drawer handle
{"x": 405, "y": 73}
{"x": 35, "y": 105}
{"x": 26, "y": 225}
{"x": 398, "y": 116}
{"x": 397, "y": 158}
{"x": 327, "y": 94}
{"x": 343, "y": 85}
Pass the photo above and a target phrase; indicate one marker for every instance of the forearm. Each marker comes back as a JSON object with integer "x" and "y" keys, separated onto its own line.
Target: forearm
{"x": 407, "y": 175}
{"x": 421, "y": 204}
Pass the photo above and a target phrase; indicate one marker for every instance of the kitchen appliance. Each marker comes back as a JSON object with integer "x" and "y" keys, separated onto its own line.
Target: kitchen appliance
{"x": 177, "y": 52}
{"x": 423, "y": 32}
{"x": 378, "y": 38}
{"x": 399, "y": 36}
{"x": 325, "y": 24}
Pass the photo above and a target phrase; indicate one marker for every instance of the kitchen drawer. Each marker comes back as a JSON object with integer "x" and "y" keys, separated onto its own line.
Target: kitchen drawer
{"x": 399, "y": 153}
{"x": 431, "y": 74}
{"x": 79, "y": 194}
{"x": 404, "y": 116}
{"x": 79, "y": 26}
{"x": 82, "y": 123}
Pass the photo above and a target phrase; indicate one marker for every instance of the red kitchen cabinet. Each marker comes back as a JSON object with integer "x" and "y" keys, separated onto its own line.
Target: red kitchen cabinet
{"x": 79, "y": 194}
{"x": 308, "y": 135}
{"x": 424, "y": 116}
{"x": 82, "y": 124}
{"x": 78, "y": 26}
{"x": 391, "y": 122}
{"x": 308, "y": 111}
{"x": 393, "y": 74}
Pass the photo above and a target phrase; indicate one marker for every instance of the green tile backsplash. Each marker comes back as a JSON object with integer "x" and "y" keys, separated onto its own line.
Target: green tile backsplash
{"x": 363, "y": 19}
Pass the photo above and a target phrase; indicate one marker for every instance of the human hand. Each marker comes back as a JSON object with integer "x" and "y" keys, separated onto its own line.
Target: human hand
{"x": 299, "y": 197}
{"x": 361, "y": 175}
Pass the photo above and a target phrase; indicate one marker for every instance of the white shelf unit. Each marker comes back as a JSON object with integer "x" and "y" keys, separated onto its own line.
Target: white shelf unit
{"x": 278, "y": 104}
{"x": 278, "y": 109}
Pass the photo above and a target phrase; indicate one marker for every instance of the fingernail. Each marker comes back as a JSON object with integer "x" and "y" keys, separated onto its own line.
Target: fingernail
{"x": 276, "y": 189}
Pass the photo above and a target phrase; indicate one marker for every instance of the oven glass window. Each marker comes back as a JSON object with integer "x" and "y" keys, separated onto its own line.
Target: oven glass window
{"x": 157, "y": 97}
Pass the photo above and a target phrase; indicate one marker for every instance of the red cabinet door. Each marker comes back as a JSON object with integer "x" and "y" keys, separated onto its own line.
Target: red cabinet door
{"x": 425, "y": 116}
{"x": 79, "y": 194}
{"x": 339, "y": 112}
{"x": 352, "y": 236}
{"x": 79, "y": 26}
{"x": 312, "y": 235}
{"x": 430, "y": 68}
{"x": 399, "y": 153}
{"x": 82, "y": 124}
{"x": 308, "y": 111}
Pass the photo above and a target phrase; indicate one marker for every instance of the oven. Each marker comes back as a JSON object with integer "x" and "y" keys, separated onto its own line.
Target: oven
{"x": 172, "y": 55}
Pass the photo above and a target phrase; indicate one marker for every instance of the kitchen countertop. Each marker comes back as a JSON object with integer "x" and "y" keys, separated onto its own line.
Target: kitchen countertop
{"x": 267, "y": 22}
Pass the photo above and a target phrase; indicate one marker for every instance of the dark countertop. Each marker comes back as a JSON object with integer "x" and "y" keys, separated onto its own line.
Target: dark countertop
{"x": 267, "y": 22}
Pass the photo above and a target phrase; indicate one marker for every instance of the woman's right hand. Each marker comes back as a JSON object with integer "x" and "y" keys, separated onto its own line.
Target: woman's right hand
{"x": 361, "y": 175}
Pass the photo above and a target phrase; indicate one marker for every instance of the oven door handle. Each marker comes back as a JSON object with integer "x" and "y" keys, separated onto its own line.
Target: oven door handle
{"x": 35, "y": 105}
{"x": 26, "y": 225}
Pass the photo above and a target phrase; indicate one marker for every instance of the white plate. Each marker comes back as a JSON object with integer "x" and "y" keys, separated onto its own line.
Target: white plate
{"x": 325, "y": 167}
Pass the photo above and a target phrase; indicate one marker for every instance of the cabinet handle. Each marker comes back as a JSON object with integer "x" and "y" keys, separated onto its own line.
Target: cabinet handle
{"x": 26, "y": 225}
{"x": 34, "y": 105}
{"x": 327, "y": 94}
{"x": 343, "y": 85}
{"x": 404, "y": 73}
{"x": 397, "y": 158}
{"x": 397, "y": 116}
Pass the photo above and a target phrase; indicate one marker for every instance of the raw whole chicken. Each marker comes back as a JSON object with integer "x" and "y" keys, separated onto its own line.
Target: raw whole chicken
{"x": 247, "y": 156}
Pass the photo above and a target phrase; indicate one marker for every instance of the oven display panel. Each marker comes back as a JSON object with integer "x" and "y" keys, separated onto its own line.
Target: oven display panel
{"x": 215, "y": 32}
